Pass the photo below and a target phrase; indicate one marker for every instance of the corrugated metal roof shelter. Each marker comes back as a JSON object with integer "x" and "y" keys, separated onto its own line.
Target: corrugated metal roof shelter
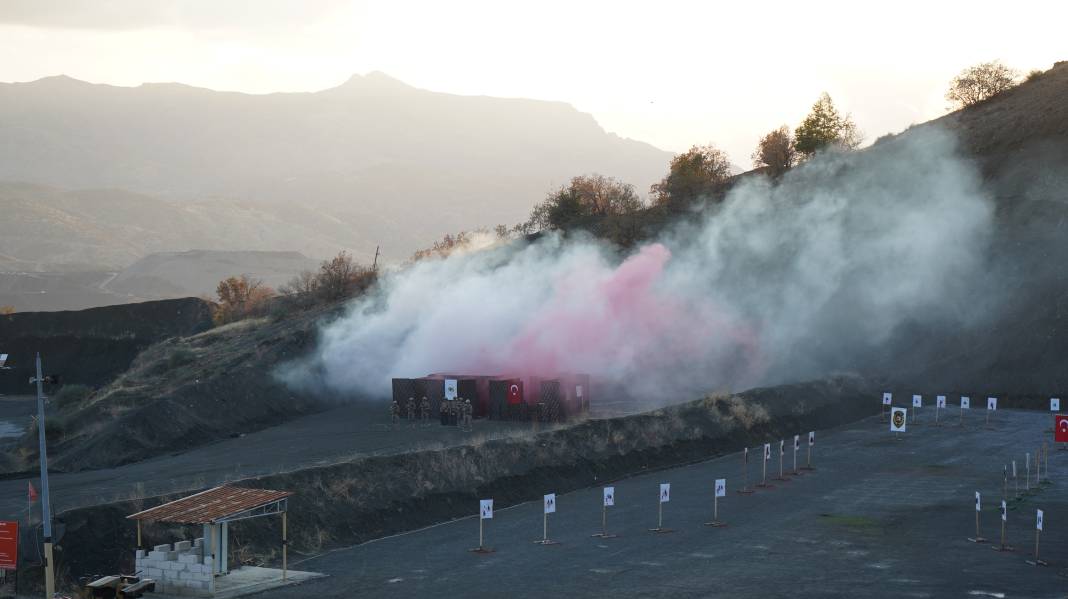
{"x": 215, "y": 509}
{"x": 221, "y": 504}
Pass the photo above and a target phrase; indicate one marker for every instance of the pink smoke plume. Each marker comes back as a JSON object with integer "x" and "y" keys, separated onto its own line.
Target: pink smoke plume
{"x": 599, "y": 321}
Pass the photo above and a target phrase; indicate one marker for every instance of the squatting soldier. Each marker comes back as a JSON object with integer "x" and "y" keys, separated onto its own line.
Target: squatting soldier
{"x": 411, "y": 411}
{"x": 443, "y": 412}
{"x": 394, "y": 412}
{"x": 468, "y": 412}
{"x": 424, "y": 409}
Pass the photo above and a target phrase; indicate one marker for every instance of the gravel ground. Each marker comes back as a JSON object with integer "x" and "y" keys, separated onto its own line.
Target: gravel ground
{"x": 879, "y": 516}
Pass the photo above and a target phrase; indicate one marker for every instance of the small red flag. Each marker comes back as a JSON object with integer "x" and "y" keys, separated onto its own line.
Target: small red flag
{"x": 1060, "y": 428}
{"x": 515, "y": 393}
{"x": 31, "y": 492}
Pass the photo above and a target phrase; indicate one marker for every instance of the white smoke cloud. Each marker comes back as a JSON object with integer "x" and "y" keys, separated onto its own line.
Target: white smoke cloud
{"x": 781, "y": 281}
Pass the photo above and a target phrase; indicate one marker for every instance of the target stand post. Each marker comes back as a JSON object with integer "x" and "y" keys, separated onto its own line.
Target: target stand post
{"x": 660, "y": 521}
{"x": 781, "y": 477}
{"x": 482, "y": 549}
{"x": 764, "y": 484}
{"x": 1002, "y": 546}
{"x": 796, "y": 472}
{"x": 978, "y": 538}
{"x": 808, "y": 456}
{"x": 1037, "y": 561}
{"x": 1046, "y": 459}
{"x": 745, "y": 490}
{"x": 604, "y": 534}
{"x": 715, "y": 523}
{"x": 545, "y": 540}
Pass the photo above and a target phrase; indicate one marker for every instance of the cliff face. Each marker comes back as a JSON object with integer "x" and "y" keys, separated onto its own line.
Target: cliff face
{"x": 92, "y": 346}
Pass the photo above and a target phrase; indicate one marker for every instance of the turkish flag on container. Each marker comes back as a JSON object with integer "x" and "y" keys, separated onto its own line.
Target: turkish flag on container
{"x": 515, "y": 393}
{"x": 1060, "y": 428}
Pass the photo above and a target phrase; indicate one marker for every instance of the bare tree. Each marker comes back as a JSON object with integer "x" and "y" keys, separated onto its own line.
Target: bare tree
{"x": 342, "y": 277}
{"x": 980, "y": 82}
{"x": 776, "y": 151}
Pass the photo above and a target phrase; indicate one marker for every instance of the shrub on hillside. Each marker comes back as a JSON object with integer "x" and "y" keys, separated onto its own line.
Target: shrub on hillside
{"x": 239, "y": 298}
{"x": 776, "y": 151}
{"x": 583, "y": 197}
{"x": 699, "y": 173}
{"x": 337, "y": 278}
{"x": 69, "y": 396}
{"x": 825, "y": 127}
{"x": 980, "y": 82}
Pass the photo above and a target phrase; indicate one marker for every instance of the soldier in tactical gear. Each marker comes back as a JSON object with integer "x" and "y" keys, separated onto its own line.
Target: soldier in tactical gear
{"x": 394, "y": 412}
{"x": 468, "y": 412}
{"x": 411, "y": 411}
{"x": 424, "y": 411}
{"x": 443, "y": 411}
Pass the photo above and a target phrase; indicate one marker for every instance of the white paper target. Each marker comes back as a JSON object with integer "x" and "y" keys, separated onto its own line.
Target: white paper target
{"x": 721, "y": 487}
{"x": 550, "y": 503}
{"x": 485, "y": 509}
{"x": 665, "y": 492}
{"x": 609, "y": 496}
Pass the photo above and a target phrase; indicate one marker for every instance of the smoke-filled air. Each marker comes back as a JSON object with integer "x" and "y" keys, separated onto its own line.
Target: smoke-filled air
{"x": 787, "y": 279}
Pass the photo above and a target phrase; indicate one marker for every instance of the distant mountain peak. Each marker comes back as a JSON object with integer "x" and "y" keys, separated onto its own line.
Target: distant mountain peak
{"x": 374, "y": 81}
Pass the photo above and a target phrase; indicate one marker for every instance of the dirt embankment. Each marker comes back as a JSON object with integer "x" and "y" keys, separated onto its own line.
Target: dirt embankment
{"x": 187, "y": 391}
{"x": 93, "y": 346}
{"x": 375, "y": 496}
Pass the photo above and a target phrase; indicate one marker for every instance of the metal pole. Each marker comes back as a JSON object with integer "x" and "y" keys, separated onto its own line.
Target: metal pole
{"x": 660, "y": 515}
{"x": 977, "y": 524}
{"x": 544, "y": 526}
{"x": 715, "y": 508}
{"x": 139, "y": 544}
{"x": 764, "y": 476}
{"x": 808, "y": 460}
{"x": 604, "y": 521}
{"x": 46, "y": 507}
{"x": 285, "y": 546}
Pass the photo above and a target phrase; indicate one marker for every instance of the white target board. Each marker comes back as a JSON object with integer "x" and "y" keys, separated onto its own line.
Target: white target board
{"x": 917, "y": 401}
{"x": 940, "y": 401}
{"x": 767, "y": 451}
{"x": 1038, "y": 520}
{"x": 965, "y": 403}
{"x": 550, "y": 503}
{"x": 485, "y": 509}
{"x": 991, "y": 403}
{"x": 665, "y": 492}
{"x": 721, "y": 487}
{"x": 450, "y": 389}
{"x": 1054, "y": 403}
{"x": 898, "y": 420}
{"x": 609, "y": 496}
{"x": 811, "y": 438}
{"x": 888, "y": 398}
{"x": 978, "y": 502}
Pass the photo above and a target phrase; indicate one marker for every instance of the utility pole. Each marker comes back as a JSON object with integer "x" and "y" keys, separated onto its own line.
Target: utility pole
{"x": 46, "y": 508}
{"x": 374, "y": 267}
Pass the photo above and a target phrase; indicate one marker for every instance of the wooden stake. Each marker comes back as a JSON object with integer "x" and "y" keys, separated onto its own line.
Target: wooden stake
{"x": 285, "y": 545}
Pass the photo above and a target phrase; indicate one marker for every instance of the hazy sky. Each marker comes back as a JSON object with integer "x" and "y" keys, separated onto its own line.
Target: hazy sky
{"x": 667, "y": 72}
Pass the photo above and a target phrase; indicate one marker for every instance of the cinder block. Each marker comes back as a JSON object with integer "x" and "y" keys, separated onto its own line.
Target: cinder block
{"x": 166, "y": 547}
{"x": 157, "y": 555}
{"x": 154, "y": 573}
{"x": 139, "y": 554}
{"x": 183, "y": 546}
{"x": 209, "y": 561}
{"x": 198, "y": 542}
{"x": 170, "y": 555}
{"x": 189, "y": 558}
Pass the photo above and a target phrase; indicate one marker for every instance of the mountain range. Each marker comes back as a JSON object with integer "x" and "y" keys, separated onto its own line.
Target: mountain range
{"x": 104, "y": 175}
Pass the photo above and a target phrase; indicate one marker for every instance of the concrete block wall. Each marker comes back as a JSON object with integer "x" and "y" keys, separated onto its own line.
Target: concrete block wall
{"x": 179, "y": 569}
